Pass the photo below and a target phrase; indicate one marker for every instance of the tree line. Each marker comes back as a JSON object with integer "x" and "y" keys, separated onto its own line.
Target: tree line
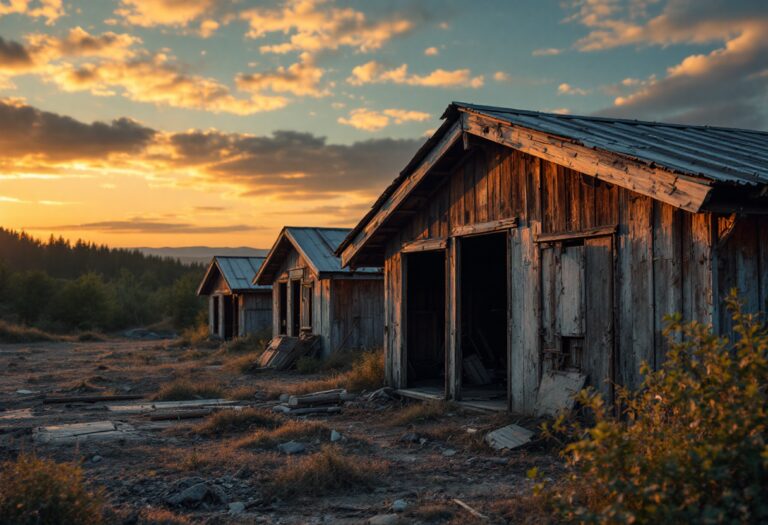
{"x": 61, "y": 286}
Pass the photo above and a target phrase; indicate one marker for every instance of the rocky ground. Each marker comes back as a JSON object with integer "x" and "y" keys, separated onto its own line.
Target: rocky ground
{"x": 409, "y": 463}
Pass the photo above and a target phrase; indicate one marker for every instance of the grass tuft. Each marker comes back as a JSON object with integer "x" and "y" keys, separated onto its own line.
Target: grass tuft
{"x": 420, "y": 412}
{"x": 182, "y": 390}
{"x": 155, "y": 516}
{"x": 13, "y": 333}
{"x": 366, "y": 373}
{"x": 236, "y": 421}
{"x": 290, "y": 431}
{"x": 43, "y": 492}
{"x": 325, "y": 472}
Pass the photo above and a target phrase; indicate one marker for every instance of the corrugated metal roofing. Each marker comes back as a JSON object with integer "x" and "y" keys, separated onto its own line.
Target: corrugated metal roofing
{"x": 722, "y": 155}
{"x": 240, "y": 271}
{"x": 318, "y": 246}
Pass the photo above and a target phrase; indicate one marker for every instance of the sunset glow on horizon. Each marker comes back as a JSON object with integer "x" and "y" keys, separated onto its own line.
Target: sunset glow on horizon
{"x": 215, "y": 122}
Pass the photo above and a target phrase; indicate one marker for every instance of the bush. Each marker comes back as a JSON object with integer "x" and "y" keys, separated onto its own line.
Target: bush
{"x": 235, "y": 421}
{"x": 42, "y": 492}
{"x": 81, "y": 304}
{"x": 691, "y": 447}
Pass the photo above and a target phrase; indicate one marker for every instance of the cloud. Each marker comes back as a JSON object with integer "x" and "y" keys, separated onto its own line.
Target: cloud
{"x": 27, "y": 131}
{"x": 138, "y": 225}
{"x": 371, "y": 120}
{"x": 154, "y": 78}
{"x": 501, "y": 76}
{"x": 13, "y": 55}
{"x": 432, "y": 51}
{"x": 51, "y": 10}
{"x": 724, "y": 86}
{"x": 546, "y": 52}
{"x": 179, "y": 13}
{"x": 301, "y": 79}
{"x": 374, "y": 72}
{"x": 567, "y": 89}
{"x": 316, "y": 25}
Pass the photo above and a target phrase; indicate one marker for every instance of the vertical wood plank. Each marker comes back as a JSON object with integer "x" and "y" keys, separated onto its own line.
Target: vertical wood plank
{"x": 495, "y": 199}
{"x": 598, "y": 338}
{"x": 469, "y": 191}
{"x": 667, "y": 272}
{"x": 703, "y": 288}
{"x": 453, "y": 320}
{"x": 738, "y": 267}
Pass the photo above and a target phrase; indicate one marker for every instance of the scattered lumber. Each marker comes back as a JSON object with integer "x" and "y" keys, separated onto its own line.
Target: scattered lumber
{"x": 306, "y": 411}
{"x": 327, "y": 397}
{"x": 180, "y": 414}
{"x": 52, "y": 400}
{"x": 283, "y": 351}
{"x": 469, "y": 509}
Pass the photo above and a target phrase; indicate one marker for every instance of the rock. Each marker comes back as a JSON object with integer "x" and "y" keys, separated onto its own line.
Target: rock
{"x": 197, "y": 494}
{"x": 292, "y": 447}
{"x": 449, "y": 452}
{"x": 236, "y": 507}
{"x": 384, "y": 519}
{"x": 422, "y": 441}
{"x": 25, "y": 392}
{"x": 409, "y": 437}
{"x": 399, "y": 505}
{"x": 96, "y": 459}
{"x": 284, "y": 398}
{"x": 335, "y": 436}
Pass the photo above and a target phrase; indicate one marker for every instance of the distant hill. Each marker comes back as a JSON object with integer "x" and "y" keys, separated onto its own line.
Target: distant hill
{"x": 201, "y": 254}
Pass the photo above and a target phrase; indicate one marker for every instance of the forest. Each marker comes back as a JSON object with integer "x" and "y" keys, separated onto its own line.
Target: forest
{"x": 63, "y": 287}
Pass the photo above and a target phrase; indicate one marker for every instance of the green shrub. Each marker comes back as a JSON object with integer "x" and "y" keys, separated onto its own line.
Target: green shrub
{"x": 36, "y": 491}
{"x": 691, "y": 447}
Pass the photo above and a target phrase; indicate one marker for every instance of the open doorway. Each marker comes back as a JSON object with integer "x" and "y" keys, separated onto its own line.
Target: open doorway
{"x": 283, "y": 307}
{"x": 227, "y": 309}
{"x": 425, "y": 323}
{"x": 483, "y": 292}
{"x": 295, "y": 308}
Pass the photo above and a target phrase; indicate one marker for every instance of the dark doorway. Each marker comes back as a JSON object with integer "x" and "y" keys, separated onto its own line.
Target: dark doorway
{"x": 216, "y": 315}
{"x": 425, "y": 323}
{"x": 283, "y": 306}
{"x": 483, "y": 291}
{"x": 295, "y": 308}
{"x": 227, "y": 310}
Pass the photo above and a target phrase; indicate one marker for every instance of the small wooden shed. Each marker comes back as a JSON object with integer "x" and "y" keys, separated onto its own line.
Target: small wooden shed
{"x": 312, "y": 293}
{"x": 518, "y": 243}
{"x": 236, "y": 306}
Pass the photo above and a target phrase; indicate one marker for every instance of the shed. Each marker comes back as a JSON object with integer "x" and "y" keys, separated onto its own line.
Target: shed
{"x": 517, "y": 243}
{"x": 236, "y": 307}
{"x": 312, "y": 293}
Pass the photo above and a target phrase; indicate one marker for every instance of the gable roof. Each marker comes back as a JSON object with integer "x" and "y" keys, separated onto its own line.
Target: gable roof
{"x": 237, "y": 272}
{"x": 675, "y": 163}
{"x": 316, "y": 245}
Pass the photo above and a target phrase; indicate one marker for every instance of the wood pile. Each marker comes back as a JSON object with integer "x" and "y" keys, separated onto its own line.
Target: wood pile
{"x": 324, "y": 402}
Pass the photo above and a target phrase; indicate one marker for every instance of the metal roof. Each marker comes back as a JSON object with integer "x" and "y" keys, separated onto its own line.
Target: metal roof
{"x": 722, "y": 155}
{"x": 238, "y": 272}
{"x": 317, "y": 246}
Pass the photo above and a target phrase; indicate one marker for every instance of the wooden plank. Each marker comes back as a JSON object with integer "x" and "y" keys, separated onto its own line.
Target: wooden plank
{"x": 738, "y": 267}
{"x": 495, "y": 197}
{"x": 606, "y": 203}
{"x": 469, "y": 192}
{"x": 600, "y": 231}
{"x": 484, "y": 227}
{"x": 423, "y": 245}
{"x": 457, "y": 198}
{"x": 453, "y": 321}
{"x": 667, "y": 272}
{"x": 598, "y": 317}
{"x": 571, "y": 292}
{"x": 395, "y": 200}
{"x": 703, "y": 285}
{"x": 686, "y": 192}
{"x": 481, "y": 186}
{"x": 549, "y": 336}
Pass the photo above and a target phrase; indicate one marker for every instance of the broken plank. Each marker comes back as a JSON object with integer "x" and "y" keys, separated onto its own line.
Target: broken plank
{"x": 89, "y": 399}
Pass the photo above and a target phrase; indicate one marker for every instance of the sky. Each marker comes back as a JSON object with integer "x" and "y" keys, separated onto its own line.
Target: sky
{"x": 216, "y": 122}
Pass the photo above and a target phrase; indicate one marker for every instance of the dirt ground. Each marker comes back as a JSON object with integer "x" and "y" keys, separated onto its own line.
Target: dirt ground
{"x": 147, "y": 462}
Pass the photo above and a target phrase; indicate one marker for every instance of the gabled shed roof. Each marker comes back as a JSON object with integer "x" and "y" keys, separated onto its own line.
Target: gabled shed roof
{"x": 316, "y": 245}
{"x": 237, "y": 272}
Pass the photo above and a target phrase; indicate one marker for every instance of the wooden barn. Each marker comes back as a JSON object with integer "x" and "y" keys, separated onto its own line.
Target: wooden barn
{"x": 236, "y": 307}
{"x": 313, "y": 294}
{"x": 517, "y": 245}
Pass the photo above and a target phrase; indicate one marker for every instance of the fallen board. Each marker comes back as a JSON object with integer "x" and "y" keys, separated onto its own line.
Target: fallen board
{"x": 508, "y": 437}
{"x": 78, "y": 432}
{"x": 557, "y": 391}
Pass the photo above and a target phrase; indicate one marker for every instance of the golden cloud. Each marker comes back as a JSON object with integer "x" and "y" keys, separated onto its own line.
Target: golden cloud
{"x": 371, "y": 120}
{"x": 51, "y": 10}
{"x": 374, "y": 72}
{"x": 301, "y": 79}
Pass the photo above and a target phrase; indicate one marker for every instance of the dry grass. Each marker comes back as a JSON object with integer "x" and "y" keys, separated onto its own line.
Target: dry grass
{"x": 155, "y": 516}
{"x": 236, "y": 421}
{"x": 325, "y": 472}
{"x": 43, "y": 492}
{"x": 366, "y": 373}
{"x": 215, "y": 458}
{"x": 13, "y": 333}
{"x": 337, "y": 361}
{"x": 182, "y": 390}
{"x": 252, "y": 343}
{"x": 197, "y": 337}
{"x": 243, "y": 393}
{"x": 433, "y": 512}
{"x": 292, "y": 430}
{"x": 243, "y": 364}
{"x": 420, "y": 412}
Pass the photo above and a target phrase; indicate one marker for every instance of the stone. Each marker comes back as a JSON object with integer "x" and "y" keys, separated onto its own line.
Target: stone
{"x": 335, "y": 436}
{"x": 236, "y": 507}
{"x": 96, "y": 459}
{"x": 384, "y": 519}
{"x": 449, "y": 452}
{"x": 399, "y": 505}
{"x": 423, "y": 441}
{"x": 197, "y": 494}
{"x": 291, "y": 447}
{"x": 409, "y": 437}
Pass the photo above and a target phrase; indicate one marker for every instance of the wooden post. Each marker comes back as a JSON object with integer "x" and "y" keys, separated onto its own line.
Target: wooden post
{"x": 453, "y": 321}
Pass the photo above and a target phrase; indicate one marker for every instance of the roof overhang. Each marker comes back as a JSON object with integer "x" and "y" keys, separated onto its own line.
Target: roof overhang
{"x": 210, "y": 273}
{"x": 280, "y": 249}
{"x": 364, "y": 245}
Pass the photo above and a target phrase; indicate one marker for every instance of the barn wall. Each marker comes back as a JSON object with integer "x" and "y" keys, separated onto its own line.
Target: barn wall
{"x": 357, "y": 314}
{"x": 659, "y": 260}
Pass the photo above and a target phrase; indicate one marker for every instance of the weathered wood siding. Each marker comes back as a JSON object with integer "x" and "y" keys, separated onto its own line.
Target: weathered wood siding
{"x": 357, "y": 314}
{"x": 639, "y": 259}
{"x": 255, "y": 313}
